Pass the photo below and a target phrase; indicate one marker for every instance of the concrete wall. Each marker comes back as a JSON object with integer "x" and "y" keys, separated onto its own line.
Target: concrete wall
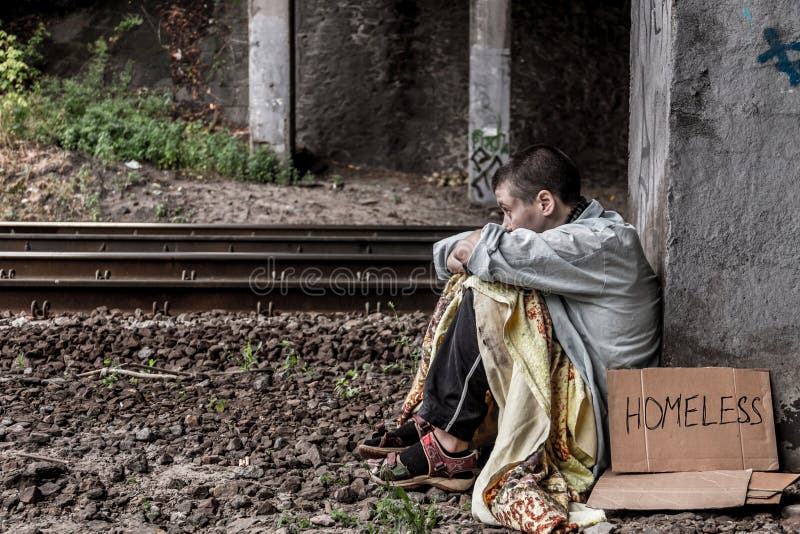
{"x": 651, "y": 51}
{"x": 569, "y": 81}
{"x": 727, "y": 199}
{"x": 384, "y": 82}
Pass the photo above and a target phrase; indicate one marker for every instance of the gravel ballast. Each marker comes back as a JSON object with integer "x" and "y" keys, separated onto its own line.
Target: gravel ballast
{"x": 239, "y": 439}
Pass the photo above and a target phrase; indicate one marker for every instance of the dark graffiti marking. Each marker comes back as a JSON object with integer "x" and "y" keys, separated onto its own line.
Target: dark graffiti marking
{"x": 488, "y": 153}
{"x": 778, "y": 50}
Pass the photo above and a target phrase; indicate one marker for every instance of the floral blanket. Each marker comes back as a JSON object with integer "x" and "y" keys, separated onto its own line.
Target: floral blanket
{"x": 539, "y": 470}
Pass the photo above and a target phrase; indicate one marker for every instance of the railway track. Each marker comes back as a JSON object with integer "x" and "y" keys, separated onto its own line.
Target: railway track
{"x": 174, "y": 268}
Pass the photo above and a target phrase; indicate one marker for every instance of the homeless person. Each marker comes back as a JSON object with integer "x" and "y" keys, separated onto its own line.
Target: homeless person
{"x": 534, "y": 312}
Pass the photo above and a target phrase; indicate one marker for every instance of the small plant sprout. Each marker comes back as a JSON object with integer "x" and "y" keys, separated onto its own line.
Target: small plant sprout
{"x": 216, "y": 404}
{"x": 292, "y": 362}
{"x": 21, "y": 359}
{"x": 343, "y": 518}
{"x": 401, "y": 514}
{"x": 109, "y": 377}
{"x": 344, "y": 385}
{"x": 249, "y": 356}
{"x": 129, "y": 22}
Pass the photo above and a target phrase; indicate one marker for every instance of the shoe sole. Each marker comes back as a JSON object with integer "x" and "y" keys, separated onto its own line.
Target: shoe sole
{"x": 446, "y": 484}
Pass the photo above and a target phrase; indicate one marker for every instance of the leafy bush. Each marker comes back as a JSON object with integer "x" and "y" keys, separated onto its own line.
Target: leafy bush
{"x": 18, "y": 60}
{"x": 106, "y": 120}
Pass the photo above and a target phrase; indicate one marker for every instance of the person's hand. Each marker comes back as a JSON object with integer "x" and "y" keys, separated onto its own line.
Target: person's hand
{"x": 462, "y": 252}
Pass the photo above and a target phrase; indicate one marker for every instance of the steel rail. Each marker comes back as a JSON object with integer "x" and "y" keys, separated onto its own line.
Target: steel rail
{"x": 264, "y": 269}
{"x": 254, "y": 230}
{"x": 153, "y": 243}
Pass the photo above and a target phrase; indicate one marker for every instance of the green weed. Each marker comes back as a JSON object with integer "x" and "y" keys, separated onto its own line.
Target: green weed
{"x": 401, "y": 514}
{"x": 292, "y": 523}
{"x": 249, "y": 356}
{"x": 292, "y": 363}
{"x": 344, "y": 385}
{"x": 129, "y": 22}
{"x": 216, "y": 404}
{"x": 343, "y": 518}
{"x": 18, "y": 60}
{"x": 110, "y": 377}
{"x": 406, "y": 341}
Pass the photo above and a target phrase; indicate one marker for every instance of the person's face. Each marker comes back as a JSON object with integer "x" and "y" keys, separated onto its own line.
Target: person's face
{"x": 534, "y": 216}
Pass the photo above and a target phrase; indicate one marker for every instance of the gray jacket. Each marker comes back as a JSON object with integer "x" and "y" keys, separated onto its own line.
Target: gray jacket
{"x": 601, "y": 292}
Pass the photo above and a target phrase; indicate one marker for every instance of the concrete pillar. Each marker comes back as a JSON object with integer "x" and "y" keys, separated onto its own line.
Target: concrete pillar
{"x": 489, "y": 94}
{"x": 270, "y": 73}
{"x": 714, "y": 185}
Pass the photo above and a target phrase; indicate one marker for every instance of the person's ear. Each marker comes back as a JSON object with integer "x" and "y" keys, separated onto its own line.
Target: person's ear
{"x": 546, "y": 202}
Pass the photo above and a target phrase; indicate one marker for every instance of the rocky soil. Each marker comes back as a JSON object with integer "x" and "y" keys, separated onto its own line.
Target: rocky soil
{"x": 241, "y": 439}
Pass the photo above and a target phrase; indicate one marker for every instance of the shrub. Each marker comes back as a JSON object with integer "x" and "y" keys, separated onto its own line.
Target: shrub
{"x": 18, "y": 60}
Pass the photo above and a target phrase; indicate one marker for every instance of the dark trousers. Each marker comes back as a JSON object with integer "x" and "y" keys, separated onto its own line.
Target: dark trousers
{"x": 454, "y": 396}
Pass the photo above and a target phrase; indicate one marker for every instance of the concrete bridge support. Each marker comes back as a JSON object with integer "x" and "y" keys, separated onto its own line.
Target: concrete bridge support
{"x": 489, "y": 94}
{"x": 714, "y": 184}
{"x": 270, "y": 73}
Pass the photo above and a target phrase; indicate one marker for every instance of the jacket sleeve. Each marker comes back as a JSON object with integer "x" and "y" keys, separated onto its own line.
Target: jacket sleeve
{"x": 441, "y": 251}
{"x": 567, "y": 260}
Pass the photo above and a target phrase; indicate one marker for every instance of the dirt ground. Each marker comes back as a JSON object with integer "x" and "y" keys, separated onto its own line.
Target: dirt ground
{"x": 48, "y": 184}
{"x": 240, "y": 439}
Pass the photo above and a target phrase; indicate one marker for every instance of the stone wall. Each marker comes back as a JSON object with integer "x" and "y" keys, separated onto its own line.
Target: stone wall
{"x": 728, "y": 193}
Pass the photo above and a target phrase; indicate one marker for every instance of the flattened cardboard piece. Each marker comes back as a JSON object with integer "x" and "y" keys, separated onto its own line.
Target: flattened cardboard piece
{"x": 775, "y": 499}
{"x": 761, "y": 481}
{"x": 688, "y": 491}
{"x": 767, "y": 488}
{"x": 691, "y": 419}
{"x": 670, "y": 491}
{"x": 761, "y": 494}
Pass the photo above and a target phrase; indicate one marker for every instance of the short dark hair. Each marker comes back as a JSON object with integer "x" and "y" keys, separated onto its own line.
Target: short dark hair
{"x": 539, "y": 167}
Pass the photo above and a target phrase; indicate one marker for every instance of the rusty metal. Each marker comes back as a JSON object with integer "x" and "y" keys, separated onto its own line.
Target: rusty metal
{"x": 253, "y": 230}
{"x": 275, "y": 268}
{"x": 83, "y": 296}
{"x": 295, "y": 244}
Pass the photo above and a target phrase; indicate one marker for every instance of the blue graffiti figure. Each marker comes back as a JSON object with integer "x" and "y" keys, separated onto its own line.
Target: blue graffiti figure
{"x": 778, "y": 50}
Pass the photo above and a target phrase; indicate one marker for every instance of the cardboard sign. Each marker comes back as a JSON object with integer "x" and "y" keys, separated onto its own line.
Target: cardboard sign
{"x": 691, "y": 419}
